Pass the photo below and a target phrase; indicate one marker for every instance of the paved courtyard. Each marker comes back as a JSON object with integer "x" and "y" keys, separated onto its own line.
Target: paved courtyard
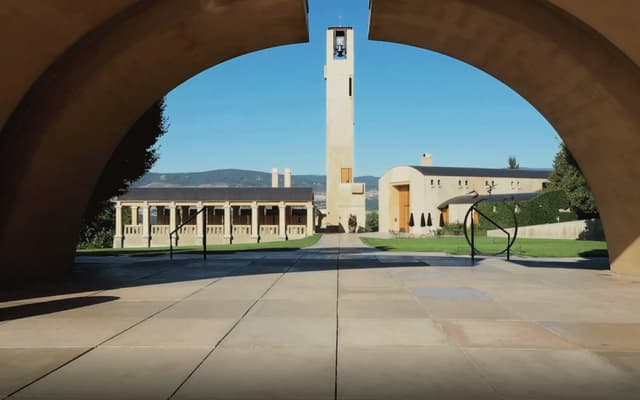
{"x": 338, "y": 320}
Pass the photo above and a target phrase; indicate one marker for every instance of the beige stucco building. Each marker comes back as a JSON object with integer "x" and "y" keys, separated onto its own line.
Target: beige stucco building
{"x": 432, "y": 191}
{"x": 233, "y": 215}
{"x": 344, "y": 196}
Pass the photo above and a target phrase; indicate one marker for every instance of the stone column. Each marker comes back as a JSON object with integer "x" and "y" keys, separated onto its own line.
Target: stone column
{"x": 254, "y": 221}
{"x": 227, "y": 221}
{"x": 117, "y": 238}
{"x": 200, "y": 222}
{"x": 146, "y": 236}
{"x": 282, "y": 215}
{"x": 172, "y": 222}
{"x": 310, "y": 219}
{"x": 134, "y": 215}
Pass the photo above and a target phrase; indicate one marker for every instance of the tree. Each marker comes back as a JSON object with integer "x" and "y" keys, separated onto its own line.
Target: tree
{"x": 353, "y": 223}
{"x": 132, "y": 158}
{"x": 568, "y": 177}
{"x": 372, "y": 221}
{"x": 513, "y": 163}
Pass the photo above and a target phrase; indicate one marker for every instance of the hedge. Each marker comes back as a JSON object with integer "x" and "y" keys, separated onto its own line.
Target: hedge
{"x": 542, "y": 209}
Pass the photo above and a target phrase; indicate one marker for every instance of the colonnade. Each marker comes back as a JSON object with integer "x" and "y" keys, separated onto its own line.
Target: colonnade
{"x": 191, "y": 223}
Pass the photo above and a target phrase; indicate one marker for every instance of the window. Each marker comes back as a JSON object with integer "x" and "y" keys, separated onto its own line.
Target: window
{"x": 346, "y": 176}
{"x": 339, "y": 45}
{"x": 545, "y": 185}
{"x": 438, "y": 182}
{"x": 459, "y": 182}
{"x": 350, "y": 86}
{"x": 466, "y": 183}
{"x": 432, "y": 183}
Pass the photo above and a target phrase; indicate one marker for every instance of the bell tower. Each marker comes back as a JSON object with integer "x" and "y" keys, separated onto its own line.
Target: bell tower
{"x": 344, "y": 197}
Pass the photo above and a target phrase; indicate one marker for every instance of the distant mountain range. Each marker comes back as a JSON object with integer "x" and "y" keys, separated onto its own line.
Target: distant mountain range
{"x": 246, "y": 178}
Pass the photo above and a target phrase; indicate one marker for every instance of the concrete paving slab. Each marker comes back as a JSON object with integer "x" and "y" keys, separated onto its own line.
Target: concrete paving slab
{"x": 118, "y": 308}
{"x": 161, "y": 292}
{"x": 61, "y": 332}
{"x": 502, "y": 334}
{"x": 234, "y": 288}
{"x": 361, "y": 332}
{"x": 439, "y": 372}
{"x": 373, "y": 293}
{"x": 624, "y": 361}
{"x": 553, "y": 374}
{"x": 283, "y": 332}
{"x": 599, "y": 336}
{"x": 283, "y": 292}
{"x": 450, "y": 293}
{"x": 263, "y": 373}
{"x": 174, "y": 332}
{"x": 22, "y": 366}
{"x": 559, "y": 309}
{"x": 465, "y": 309}
{"x": 118, "y": 373}
{"x": 205, "y": 309}
{"x": 280, "y": 308}
{"x": 380, "y": 308}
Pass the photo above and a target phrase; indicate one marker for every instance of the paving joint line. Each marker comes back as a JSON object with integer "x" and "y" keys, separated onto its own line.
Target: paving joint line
{"x": 335, "y": 378}
{"x": 231, "y": 329}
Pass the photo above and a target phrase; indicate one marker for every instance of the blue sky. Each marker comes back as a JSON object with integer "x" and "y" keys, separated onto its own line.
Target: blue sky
{"x": 267, "y": 109}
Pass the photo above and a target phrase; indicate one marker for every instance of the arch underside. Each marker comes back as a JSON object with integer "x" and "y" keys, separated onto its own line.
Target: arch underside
{"x": 575, "y": 74}
{"x": 71, "y": 90}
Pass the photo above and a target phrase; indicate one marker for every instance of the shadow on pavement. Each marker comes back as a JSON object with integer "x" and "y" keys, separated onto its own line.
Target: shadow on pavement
{"x": 591, "y": 263}
{"x": 49, "y": 307}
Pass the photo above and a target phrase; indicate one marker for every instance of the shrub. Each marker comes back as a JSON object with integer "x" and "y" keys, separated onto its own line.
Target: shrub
{"x": 542, "y": 209}
{"x": 372, "y": 221}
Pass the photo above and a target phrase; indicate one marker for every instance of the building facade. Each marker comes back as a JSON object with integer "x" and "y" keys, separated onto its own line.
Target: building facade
{"x": 444, "y": 194}
{"x": 344, "y": 197}
{"x": 232, "y": 215}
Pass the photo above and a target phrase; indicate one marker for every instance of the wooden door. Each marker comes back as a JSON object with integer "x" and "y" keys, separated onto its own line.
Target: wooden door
{"x": 404, "y": 207}
{"x": 346, "y": 175}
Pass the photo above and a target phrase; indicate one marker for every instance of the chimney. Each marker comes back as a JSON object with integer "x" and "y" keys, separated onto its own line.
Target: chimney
{"x": 426, "y": 160}
{"x": 287, "y": 177}
{"x": 274, "y": 177}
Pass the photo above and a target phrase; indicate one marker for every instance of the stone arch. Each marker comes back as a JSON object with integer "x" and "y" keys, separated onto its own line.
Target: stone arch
{"x": 106, "y": 67}
{"x": 576, "y": 62}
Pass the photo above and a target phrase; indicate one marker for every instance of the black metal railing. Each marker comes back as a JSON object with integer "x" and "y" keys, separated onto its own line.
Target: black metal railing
{"x": 471, "y": 240}
{"x": 204, "y": 232}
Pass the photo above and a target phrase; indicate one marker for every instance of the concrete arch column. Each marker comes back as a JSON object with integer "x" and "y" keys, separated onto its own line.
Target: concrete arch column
{"x": 575, "y": 61}
{"x": 82, "y": 97}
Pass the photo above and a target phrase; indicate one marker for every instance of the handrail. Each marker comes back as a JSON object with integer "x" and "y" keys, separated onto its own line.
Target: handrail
{"x": 204, "y": 231}
{"x": 474, "y": 250}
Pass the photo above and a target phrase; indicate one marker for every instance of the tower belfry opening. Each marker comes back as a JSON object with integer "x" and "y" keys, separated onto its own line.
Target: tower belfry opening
{"x": 345, "y": 198}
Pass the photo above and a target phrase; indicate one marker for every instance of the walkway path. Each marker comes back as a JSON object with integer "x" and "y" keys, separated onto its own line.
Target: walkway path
{"x": 338, "y": 320}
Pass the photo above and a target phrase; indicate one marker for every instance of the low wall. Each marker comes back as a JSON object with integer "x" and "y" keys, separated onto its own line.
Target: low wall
{"x": 590, "y": 229}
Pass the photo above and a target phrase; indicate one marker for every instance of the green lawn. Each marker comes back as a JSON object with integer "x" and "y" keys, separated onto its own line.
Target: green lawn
{"x": 283, "y": 245}
{"x": 525, "y": 247}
